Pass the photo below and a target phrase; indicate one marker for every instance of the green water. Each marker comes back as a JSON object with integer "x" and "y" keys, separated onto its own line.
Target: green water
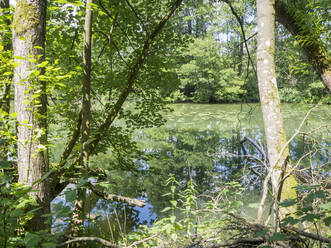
{"x": 202, "y": 142}
{"x": 224, "y": 117}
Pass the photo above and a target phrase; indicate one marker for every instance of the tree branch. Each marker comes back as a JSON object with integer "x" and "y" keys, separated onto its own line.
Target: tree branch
{"x": 57, "y": 186}
{"x": 111, "y": 197}
{"x": 242, "y": 31}
{"x": 132, "y": 77}
{"x": 308, "y": 235}
{"x": 86, "y": 239}
{"x": 135, "y": 13}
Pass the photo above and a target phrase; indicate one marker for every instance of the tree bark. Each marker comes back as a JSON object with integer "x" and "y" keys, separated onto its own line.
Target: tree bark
{"x": 270, "y": 103}
{"x": 7, "y": 43}
{"x": 5, "y": 40}
{"x": 315, "y": 52}
{"x": 28, "y": 50}
{"x": 78, "y": 213}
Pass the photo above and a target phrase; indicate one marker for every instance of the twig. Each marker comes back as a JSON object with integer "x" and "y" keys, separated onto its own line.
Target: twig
{"x": 142, "y": 241}
{"x": 295, "y": 134}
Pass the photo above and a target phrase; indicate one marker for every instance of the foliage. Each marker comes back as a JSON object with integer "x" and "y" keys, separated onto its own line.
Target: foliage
{"x": 205, "y": 76}
{"x": 192, "y": 217}
{"x": 312, "y": 94}
{"x": 314, "y": 208}
{"x": 17, "y": 207}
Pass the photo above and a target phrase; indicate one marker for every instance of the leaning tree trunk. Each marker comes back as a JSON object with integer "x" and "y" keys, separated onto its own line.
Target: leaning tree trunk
{"x": 270, "y": 103}
{"x": 314, "y": 50}
{"x": 28, "y": 50}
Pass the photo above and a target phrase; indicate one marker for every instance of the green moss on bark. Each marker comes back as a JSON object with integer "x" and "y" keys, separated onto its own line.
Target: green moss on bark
{"x": 26, "y": 17}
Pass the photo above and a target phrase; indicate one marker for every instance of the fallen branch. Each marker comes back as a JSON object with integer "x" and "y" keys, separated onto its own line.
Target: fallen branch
{"x": 103, "y": 242}
{"x": 239, "y": 242}
{"x": 308, "y": 235}
{"x": 257, "y": 146}
{"x": 141, "y": 241}
{"x": 86, "y": 239}
{"x": 112, "y": 197}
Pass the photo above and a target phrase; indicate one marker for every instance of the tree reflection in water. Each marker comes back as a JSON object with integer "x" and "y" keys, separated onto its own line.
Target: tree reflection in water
{"x": 210, "y": 157}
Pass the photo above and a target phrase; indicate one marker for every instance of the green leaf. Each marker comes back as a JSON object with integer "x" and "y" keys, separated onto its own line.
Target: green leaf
{"x": 261, "y": 233}
{"x": 49, "y": 245}
{"x": 310, "y": 217}
{"x": 43, "y": 177}
{"x": 5, "y": 164}
{"x": 43, "y": 64}
{"x": 19, "y": 57}
{"x": 278, "y": 237}
{"x": 70, "y": 195}
{"x": 320, "y": 194}
{"x": 32, "y": 240}
{"x": 166, "y": 209}
{"x": 326, "y": 206}
{"x": 327, "y": 221}
{"x": 289, "y": 220}
{"x": 173, "y": 203}
{"x": 288, "y": 202}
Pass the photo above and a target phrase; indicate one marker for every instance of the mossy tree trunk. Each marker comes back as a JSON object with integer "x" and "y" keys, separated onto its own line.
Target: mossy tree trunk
{"x": 78, "y": 214}
{"x": 270, "y": 103}
{"x": 6, "y": 42}
{"x": 313, "y": 48}
{"x": 28, "y": 50}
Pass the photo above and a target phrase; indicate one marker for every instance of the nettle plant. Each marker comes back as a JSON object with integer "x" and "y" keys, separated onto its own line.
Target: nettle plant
{"x": 314, "y": 208}
{"x": 192, "y": 217}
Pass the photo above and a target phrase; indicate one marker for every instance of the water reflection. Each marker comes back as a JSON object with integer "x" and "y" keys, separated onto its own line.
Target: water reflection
{"x": 202, "y": 142}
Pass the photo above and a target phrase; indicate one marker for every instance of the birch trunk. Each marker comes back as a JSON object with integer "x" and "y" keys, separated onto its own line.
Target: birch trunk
{"x": 28, "y": 50}
{"x": 270, "y": 104}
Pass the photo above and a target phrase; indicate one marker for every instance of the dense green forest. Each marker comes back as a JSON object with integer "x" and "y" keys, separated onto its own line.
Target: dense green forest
{"x": 165, "y": 123}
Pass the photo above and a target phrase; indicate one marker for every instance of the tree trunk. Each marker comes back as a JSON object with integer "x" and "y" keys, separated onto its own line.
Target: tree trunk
{"x": 316, "y": 54}
{"x": 270, "y": 103}
{"x": 6, "y": 42}
{"x": 28, "y": 50}
{"x": 241, "y": 49}
{"x": 78, "y": 213}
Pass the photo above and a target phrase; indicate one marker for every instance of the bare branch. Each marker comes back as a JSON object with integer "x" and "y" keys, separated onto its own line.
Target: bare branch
{"x": 86, "y": 239}
{"x": 308, "y": 235}
{"x": 242, "y": 31}
{"x": 112, "y": 197}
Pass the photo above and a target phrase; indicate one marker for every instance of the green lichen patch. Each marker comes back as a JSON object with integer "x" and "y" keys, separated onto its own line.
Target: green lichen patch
{"x": 26, "y": 17}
